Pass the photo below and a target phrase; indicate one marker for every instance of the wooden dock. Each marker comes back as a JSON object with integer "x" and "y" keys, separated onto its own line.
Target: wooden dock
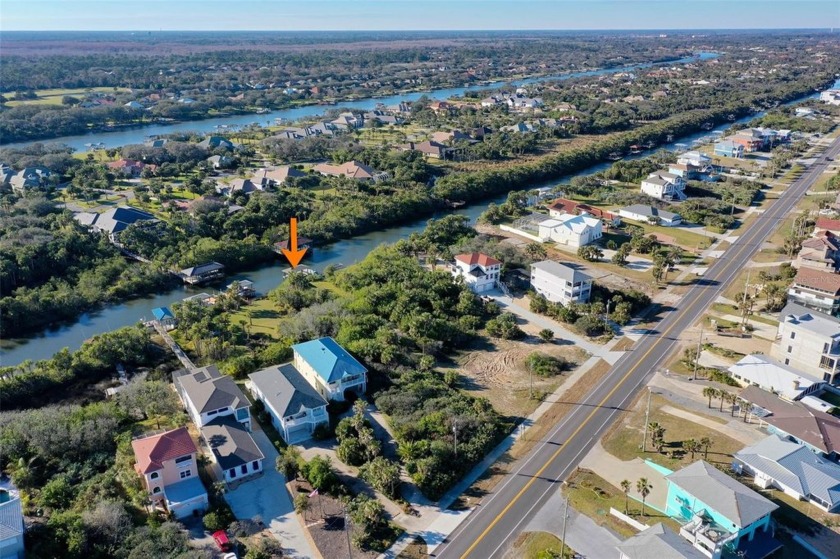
{"x": 176, "y": 349}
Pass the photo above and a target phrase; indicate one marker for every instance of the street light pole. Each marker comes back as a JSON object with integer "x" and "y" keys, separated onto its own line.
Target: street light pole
{"x": 347, "y": 529}
{"x": 607, "y": 316}
{"x": 455, "y": 430}
{"x": 647, "y": 417}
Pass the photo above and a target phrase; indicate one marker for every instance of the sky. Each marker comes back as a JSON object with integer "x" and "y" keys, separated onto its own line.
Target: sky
{"x": 282, "y": 15}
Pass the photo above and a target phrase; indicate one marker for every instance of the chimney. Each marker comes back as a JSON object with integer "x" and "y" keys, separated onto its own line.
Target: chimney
{"x": 796, "y": 384}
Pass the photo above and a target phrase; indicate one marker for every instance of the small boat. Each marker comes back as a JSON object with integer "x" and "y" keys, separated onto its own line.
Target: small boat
{"x": 635, "y": 150}
{"x": 615, "y": 156}
{"x": 649, "y": 145}
{"x": 707, "y": 126}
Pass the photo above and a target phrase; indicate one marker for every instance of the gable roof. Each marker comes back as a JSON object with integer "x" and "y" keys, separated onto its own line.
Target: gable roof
{"x": 576, "y": 223}
{"x": 650, "y": 211}
{"x": 811, "y": 426}
{"x": 771, "y": 374}
{"x": 473, "y": 258}
{"x": 818, "y": 280}
{"x": 737, "y": 502}
{"x": 352, "y": 169}
{"x": 285, "y": 390}
{"x": 202, "y": 269}
{"x": 231, "y": 444}
{"x": 796, "y": 467}
{"x": 210, "y": 390}
{"x": 151, "y": 452}
{"x": 331, "y": 361}
{"x": 162, "y": 312}
{"x": 827, "y": 224}
{"x": 11, "y": 518}
{"x": 562, "y": 271}
{"x": 660, "y": 542}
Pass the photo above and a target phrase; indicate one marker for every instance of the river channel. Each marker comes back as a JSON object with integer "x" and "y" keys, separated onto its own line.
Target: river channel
{"x": 346, "y": 252}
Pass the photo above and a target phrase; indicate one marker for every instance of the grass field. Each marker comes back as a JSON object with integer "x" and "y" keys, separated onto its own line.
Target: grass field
{"x": 685, "y": 239}
{"x": 261, "y": 317}
{"x": 530, "y": 545}
{"x": 54, "y": 96}
{"x": 623, "y": 441}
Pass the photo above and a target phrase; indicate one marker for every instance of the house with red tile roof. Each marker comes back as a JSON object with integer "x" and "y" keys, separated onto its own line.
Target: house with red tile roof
{"x": 169, "y": 466}
{"x": 479, "y": 271}
{"x": 351, "y": 169}
{"x": 826, "y": 224}
{"x": 821, "y": 252}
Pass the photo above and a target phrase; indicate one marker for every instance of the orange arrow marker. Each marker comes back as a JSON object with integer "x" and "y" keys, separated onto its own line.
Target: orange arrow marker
{"x": 292, "y": 253}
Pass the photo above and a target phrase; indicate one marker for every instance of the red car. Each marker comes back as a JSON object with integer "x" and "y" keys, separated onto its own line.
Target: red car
{"x": 221, "y": 539}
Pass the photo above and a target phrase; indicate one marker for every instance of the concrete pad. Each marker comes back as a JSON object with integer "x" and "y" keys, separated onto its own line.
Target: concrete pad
{"x": 732, "y": 239}
{"x": 715, "y": 253}
{"x": 613, "y": 356}
{"x": 266, "y": 497}
{"x": 700, "y": 270}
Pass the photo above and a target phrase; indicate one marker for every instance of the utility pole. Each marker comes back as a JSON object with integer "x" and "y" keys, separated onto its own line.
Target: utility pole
{"x": 607, "y": 316}
{"x": 565, "y": 517}
{"x": 699, "y": 349}
{"x": 746, "y": 308}
{"x": 347, "y": 529}
{"x": 647, "y": 417}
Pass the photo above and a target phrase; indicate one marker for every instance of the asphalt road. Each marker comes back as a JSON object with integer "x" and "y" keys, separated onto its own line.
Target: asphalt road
{"x": 494, "y": 524}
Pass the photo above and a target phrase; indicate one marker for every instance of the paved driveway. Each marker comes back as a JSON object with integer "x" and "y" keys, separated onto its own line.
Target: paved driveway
{"x": 268, "y": 498}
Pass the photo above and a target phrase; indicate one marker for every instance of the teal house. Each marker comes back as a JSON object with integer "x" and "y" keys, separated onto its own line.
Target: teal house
{"x": 721, "y": 517}
{"x": 330, "y": 369}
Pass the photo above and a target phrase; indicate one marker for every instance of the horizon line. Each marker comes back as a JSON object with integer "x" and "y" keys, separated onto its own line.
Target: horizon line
{"x": 523, "y": 30}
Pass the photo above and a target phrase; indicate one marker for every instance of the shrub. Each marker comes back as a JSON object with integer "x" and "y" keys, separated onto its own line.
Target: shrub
{"x": 545, "y": 365}
{"x": 504, "y": 326}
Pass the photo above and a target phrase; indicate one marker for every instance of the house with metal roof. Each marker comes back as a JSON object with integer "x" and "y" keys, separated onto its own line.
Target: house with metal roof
{"x": 164, "y": 316}
{"x": 780, "y": 463}
{"x": 657, "y": 541}
{"x": 719, "y": 513}
{"x": 560, "y": 283}
{"x": 202, "y": 273}
{"x": 11, "y": 525}
{"x": 114, "y": 221}
{"x": 571, "y": 230}
{"x": 650, "y": 214}
{"x": 294, "y": 406}
{"x": 774, "y": 376}
{"x": 329, "y": 368}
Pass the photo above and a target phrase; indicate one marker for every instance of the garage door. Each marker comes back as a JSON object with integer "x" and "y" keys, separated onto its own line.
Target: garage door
{"x": 299, "y": 433}
{"x": 185, "y": 509}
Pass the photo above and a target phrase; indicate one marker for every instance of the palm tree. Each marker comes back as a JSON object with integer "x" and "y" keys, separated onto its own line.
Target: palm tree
{"x": 653, "y": 428}
{"x": 724, "y": 397}
{"x": 710, "y": 393}
{"x": 692, "y": 446}
{"x": 643, "y": 487}
{"x": 625, "y": 486}
{"x": 706, "y": 443}
{"x": 733, "y": 399}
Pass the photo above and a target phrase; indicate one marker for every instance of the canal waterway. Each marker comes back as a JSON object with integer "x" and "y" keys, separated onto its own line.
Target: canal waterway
{"x": 346, "y": 252}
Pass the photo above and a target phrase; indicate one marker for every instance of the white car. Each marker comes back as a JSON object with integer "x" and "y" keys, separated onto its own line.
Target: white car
{"x": 230, "y": 556}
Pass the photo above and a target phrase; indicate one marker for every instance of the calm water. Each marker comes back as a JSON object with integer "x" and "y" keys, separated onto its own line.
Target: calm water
{"x": 139, "y": 134}
{"x": 344, "y": 252}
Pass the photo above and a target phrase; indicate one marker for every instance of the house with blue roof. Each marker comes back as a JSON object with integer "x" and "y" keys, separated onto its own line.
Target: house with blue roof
{"x": 164, "y": 316}
{"x": 782, "y": 464}
{"x": 329, "y": 368}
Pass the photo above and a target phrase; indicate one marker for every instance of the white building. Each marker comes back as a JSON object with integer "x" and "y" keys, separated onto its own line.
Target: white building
{"x": 658, "y": 542}
{"x": 11, "y": 525}
{"x": 560, "y": 283}
{"x": 790, "y": 467}
{"x": 294, "y": 406}
{"x": 773, "y": 376}
{"x": 695, "y": 158}
{"x": 571, "y": 230}
{"x": 830, "y": 96}
{"x": 480, "y": 272}
{"x": 207, "y": 395}
{"x": 649, "y": 214}
{"x": 664, "y": 186}
{"x": 809, "y": 341}
{"x": 329, "y": 368}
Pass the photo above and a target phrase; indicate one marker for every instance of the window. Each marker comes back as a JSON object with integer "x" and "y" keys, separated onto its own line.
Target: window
{"x": 255, "y": 465}
{"x": 826, "y": 377}
{"x": 826, "y": 347}
{"x": 826, "y": 363}
{"x": 156, "y": 490}
{"x": 242, "y": 414}
{"x": 792, "y": 335}
{"x": 214, "y": 412}
{"x": 154, "y": 475}
{"x": 790, "y": 348}
{"x": 787, "y": 361}
{"x": 185, "y": 474}
{"x": 183, "y": 459}
{"x": 244, "y": 468}
{"x": 232, "y": 473}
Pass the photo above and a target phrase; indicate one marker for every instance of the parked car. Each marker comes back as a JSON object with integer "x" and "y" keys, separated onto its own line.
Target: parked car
{"x": 230, "y": 556}
{"x": 221, "y": 539}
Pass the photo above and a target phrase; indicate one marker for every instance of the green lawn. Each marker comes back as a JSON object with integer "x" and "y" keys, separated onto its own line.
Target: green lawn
{"x": 261, "y": 317}
{"x": 529, "y": 545}
{"x": 54, "y": 96}
{"x": 686, "y": 239}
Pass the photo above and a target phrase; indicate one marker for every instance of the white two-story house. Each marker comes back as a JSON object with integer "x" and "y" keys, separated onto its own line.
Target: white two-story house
{"x": 168, "y": 464}
{"x": 221, "y": 411}
{"x": 329, "y": 368}
{"x": 480, "y": 272}
{"x": 11, "y": 524}
{"x": 560, "y": 283}
{"x": 809, "y": 341}
{"x": 294, "y": 406}
{"x": 571, "y": 230}
{"x": 664, "y": 186}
